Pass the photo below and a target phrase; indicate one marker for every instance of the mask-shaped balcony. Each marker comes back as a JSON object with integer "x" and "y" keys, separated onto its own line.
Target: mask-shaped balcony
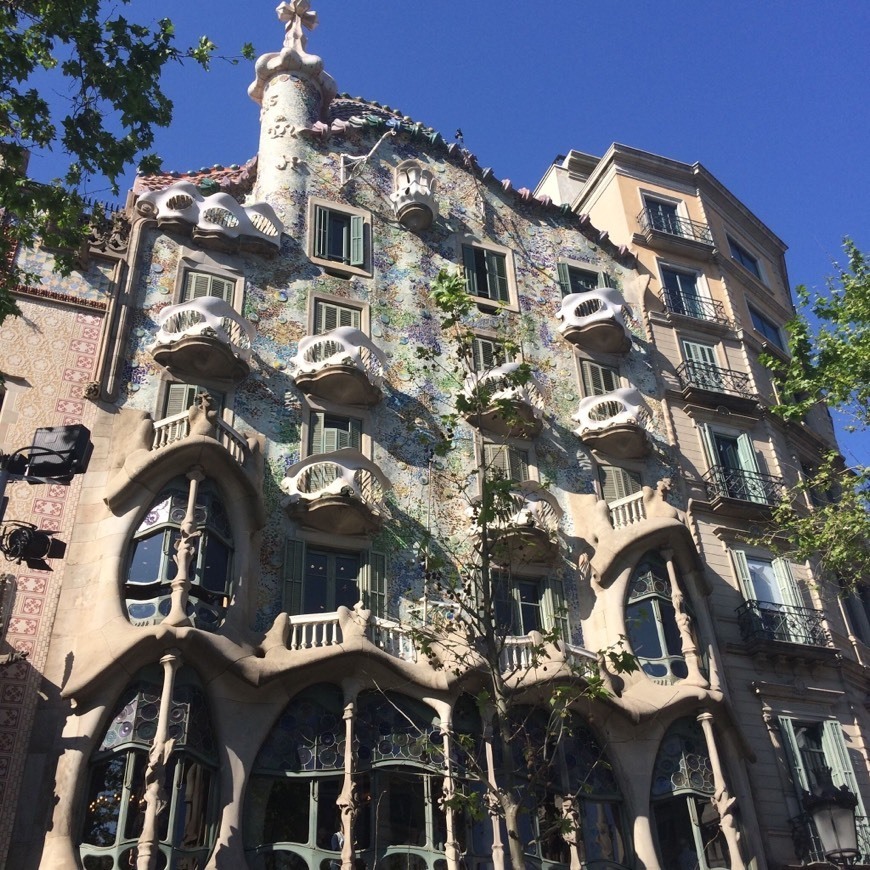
{"x": 525, "y": 528}
{"x": 342, "y": 365}
{"x": 203, "y": 339}
{"x": 340, "y": 492}
{"x": 593, "y": 320}
{"x": 614, "y": 423}
{"x": 503, "y": 401}
{"x": 413, "y": 196}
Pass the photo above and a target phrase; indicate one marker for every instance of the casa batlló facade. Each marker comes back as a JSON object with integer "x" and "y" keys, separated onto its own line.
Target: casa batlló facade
{"x": 223, "y": 669}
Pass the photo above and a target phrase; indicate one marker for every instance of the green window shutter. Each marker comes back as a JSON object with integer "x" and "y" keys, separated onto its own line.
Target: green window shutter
{"x": 294, "y": 567}
{"x": 597, "y": 379}
{"x": 321, "y": 232}
{"x": 357, "y": 240}
{"x": 617, "y": 483}
{"x": 349, "y": 435}
{"x": 348, "y": 316}
{"x": 746, "y": 453}
{"x": 485, "y": 354}
{"x": 196, "y": 286}
{"x": 496, "y": 276}
{"x": 315, "y": 434}
{"x": 741, "y": 566}
{"x": 222, "y": 288}
{"x": 564, "y": 271}
{"x": 795, "y": 762}
{"x": 518, "y": 461}
{"x": 179, "y": 398}
{"x": 470, "y": 265}
{"x": 837, "y": 758}
{"x": 557, "y": 617}
{"x": 604, "y": 280}
{"x": 495, "y": 458}
{"x": 325, "y": 317}
{"x": 787, "y": 584}
{"x": 375, "y": 582}
{"x": 699, "y": 353}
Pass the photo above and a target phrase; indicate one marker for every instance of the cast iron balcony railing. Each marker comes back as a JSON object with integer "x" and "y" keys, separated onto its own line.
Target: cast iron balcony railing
{"x": 808, "y": 846}
{"x": 742, "y": 485}
{"x": 766, "y": 620}
{"x": 691, "y": 305}
{"x": 704, "y": 376}
{"x": 652, "y": 219}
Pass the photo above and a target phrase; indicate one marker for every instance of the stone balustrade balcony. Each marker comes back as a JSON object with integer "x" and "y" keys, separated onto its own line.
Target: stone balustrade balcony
{"x": 342, "y": 365}
{"x": 763, "y": 621}
{"x": 341, "y": 492}
{"x": 179, "y": 426}
{"x": 203, "y": 339}
{"x": 506, "y": 403}
{"x": 614, "y": 423}
{"x": 594, "y": 320}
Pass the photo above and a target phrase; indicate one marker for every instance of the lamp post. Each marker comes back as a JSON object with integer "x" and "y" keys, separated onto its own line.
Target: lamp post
{"x": 833, "y": 813}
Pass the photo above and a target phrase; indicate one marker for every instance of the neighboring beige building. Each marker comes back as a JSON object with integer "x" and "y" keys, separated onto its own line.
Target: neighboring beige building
{"x": 221, "y": 670}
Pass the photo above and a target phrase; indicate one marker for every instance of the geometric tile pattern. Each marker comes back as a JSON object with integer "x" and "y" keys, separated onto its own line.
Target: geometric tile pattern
{"x": 53, "y": 347}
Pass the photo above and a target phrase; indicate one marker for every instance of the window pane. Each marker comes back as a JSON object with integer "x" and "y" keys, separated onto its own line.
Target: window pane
{"x": 338, "y": 240}
{"x": 191, "y": 809}
{"x": 669, "y": 623}
{"x": 346, "y": 580}
{"x": 314, "y": 598}
{"x": 675, "y": 834}
{"x": 640, "y": 620}
{"x": 530, "y": 606}
{"x": 216, "y": 564}
{"x": 147, "y": 556}
{"x": 405, "y": 822}
{"x": 270, "y": 819}
{"x": 328, "y": 814}
{"x": 601, "y": 832}
{"x": 104, "y": 801}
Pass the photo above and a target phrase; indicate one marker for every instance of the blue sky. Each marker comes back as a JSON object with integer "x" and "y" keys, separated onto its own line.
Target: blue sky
{"x": 772, "y": 97}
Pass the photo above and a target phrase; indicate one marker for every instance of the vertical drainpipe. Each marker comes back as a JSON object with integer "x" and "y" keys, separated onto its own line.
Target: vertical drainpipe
{"x": 155, "y": 798}
{"x": 723, "y": 801}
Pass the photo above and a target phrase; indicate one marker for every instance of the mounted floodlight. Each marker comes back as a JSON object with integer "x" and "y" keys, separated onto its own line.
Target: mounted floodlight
{"x": 59, "y": 452}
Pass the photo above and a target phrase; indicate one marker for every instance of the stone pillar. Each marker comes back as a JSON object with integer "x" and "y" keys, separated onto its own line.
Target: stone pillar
{"x": 347, "y": 801}
{"x": 155, "y": 798}
{"x": 684, "y": 624}
{"x": 451, "y": 847}
{"x": 185, "y": 551}
{"x": 725, "y": 803}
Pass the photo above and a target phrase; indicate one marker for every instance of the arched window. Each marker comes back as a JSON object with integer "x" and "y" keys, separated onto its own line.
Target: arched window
{"x": 114, "y": 811}
{"x": 401, "y": 825}
{"x": 686, "y": 822}
{"x": 301, "y": 765}
{"x": 566, "y": 784}
{"x": 153, "y": 568}
{"x": 651, "y": 623}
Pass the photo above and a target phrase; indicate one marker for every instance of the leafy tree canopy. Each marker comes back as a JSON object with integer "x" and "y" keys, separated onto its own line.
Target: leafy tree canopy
{"x": 830, "y": 361}
{"x": 106, "y": 71}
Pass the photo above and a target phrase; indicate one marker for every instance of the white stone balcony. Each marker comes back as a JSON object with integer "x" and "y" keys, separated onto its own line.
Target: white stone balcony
{"x": 203, "y": 339}
{"x": 594, "y": 320}
{"x": 627, "y": 511}
{"x": 215, "y": 221}
{"x": 314, "y": 630}
{"x": 502, "y": 404}
{"x": 413, "y": 196}
{"x": 178, "y": 427}
{"x": 342, "y": 365}
{"x": 340, "y": 492}
{"x": 393, "y": 638}
{"x": 614, "y": 423}
{"x": 527, "y": 530}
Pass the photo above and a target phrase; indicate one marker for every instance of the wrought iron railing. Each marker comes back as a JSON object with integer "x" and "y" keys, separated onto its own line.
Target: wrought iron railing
{"x": 808, "y": 846}
{"x": 743, "y": 485}
{"x": 673, "y": 225}
{"x": 691, "y": 305}
{"x": 704, "y": 376}
{"x": 767, "y": 620}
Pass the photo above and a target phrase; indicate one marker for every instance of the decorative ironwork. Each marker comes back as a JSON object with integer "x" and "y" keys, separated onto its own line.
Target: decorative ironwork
{"x": 766, "y": 620}
{"x": 691, "y": 305}
{"x": 683, "y": 762}
{"x": 654, "y": 220}
{"x": 704, "y": 376}
{"x": 808, "y": 846}
{"x": 743, "y": 485}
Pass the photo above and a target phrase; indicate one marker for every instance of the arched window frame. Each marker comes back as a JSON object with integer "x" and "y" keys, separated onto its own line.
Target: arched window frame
{"x": 649, "y": 605}
{"x": 188, "y": 825}
{"x": 148, "y": 602}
